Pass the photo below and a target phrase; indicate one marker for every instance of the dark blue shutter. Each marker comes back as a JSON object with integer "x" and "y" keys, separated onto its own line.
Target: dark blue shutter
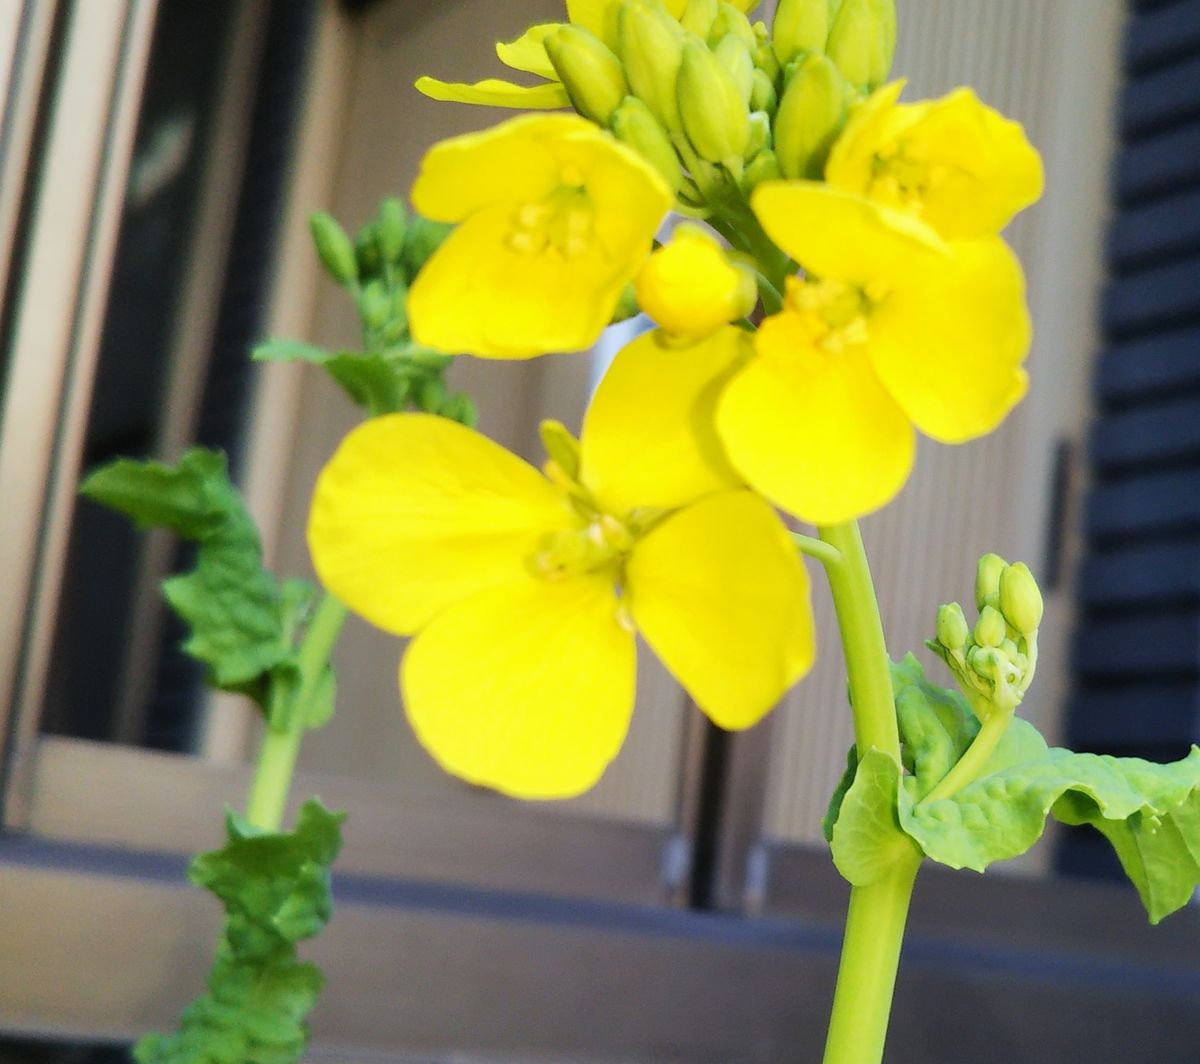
{"x": 1137, "y": 647}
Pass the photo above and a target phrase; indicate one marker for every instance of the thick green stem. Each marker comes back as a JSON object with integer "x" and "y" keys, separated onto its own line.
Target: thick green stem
{"x": 289, "y": 719}
{"x": 875, "y": 922}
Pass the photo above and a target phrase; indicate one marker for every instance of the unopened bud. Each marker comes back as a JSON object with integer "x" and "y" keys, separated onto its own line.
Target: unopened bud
{"x": 590, "y": 72}
{"x": 811, "y": 114}
{"x": 423, "y": 238}
{"x": 691, "y": 288}
{"x": 366, "y": 250}
{"x": 987, "y": 580}
{"x": 461, "y": 407}
{"x": 730, "y": 20}
{"x": 859, "y": 42}
{"x": 713, "y": 111}
{"x": 763, "y": 167}
{"x": 390, "y": 229}
{"x": 735, "y": 57}
{"x": 561, "y": 447}
{"x": 651, "y": 48}
{"x": 375, "y": 305}
{"x": 698, "y": 17}
{"x": 801, "y": 27}
{"x": 1020, "y": 598}
{"x": 990, "y": 630}
{"x": 760, "y": 134}
{"x": 762, "y": 93}
{"x": 952, "y": 628}
{"x": 634, "y": 124}
{"x": 333, "y": 248}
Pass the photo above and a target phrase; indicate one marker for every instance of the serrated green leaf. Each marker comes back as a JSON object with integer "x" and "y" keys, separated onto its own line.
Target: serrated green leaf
{"x": 289, "y": 351}
{"x": 867, "y": 839}
{"x": 187, "y": 498}
{"x": 274, "y": 887}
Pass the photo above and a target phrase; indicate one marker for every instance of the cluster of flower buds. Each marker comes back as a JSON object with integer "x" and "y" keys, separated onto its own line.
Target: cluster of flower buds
{"x": 716, "y": 103}
{"x": 993, "y": 662}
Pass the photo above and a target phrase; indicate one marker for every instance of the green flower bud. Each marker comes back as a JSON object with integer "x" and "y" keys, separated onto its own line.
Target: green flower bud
{"x": 634, "y": 124}
{"x": 858, "y": 42}
{"x": 423, "y": 238}
{"x": 952, "y": 628}
{"x": 366, "y": 250}
{"x": 651, "y": 47}
{"x": 811, "y": 114}
{"x": 735, "y": 57}
{"x": 763, "y": 167}
{"x": 760, "y": 134}
{"x": 432, "y": 395}
{"x": 389, "y": 230}
{"x": 730, "y": 20}
{"x": 561, "y": 447}
{"x": 460, "y": 407}
{"x": 698, "y": 17}
{"x": 714, "y": 113}
{"x": 762, "y": 93}
{"x": 800, "y": 27}
{"x": 590, "y": 72}
{"x": 987, "y": 579}
{"x": 764, "y": 60}
{"x": 375, "y": 305}
{"x": 1020, "y": 598}
{"x": 990, "y": 629}
{"x": 333, "y": 248}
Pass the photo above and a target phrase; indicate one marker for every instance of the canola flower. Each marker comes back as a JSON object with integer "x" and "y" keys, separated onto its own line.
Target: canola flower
{"x": 523, "y": 590}
{"x": 555, "y": 217}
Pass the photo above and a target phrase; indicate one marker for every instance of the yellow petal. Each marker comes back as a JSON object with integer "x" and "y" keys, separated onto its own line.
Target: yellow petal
{"x": 837, "y": 235}
{"x": 494, "y": 92}
{"x": 648, "y": 436}
{"x": 720, "y": 594}
{"x": 874, "y": 122}
{"x": 415, "y": 512}
{"x": 527, "y": 688}
{"x": 528, "y": 52}
{"x": 598, "y": 16}
{"x": 949, "y": 343}
{"x": 815, "y": 432}
{"x": 479, "y": 296}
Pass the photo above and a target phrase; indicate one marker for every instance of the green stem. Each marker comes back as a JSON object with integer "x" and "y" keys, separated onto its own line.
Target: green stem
{"x": 875, "y": 922}
{"x": 817, "y": 548}
{"x": 281, "y": 743}
{"x": 967, "y": 769}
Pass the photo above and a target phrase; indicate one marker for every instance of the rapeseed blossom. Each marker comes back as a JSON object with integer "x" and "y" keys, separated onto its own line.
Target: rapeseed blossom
{"x": 890, "y": 327}
{"x": 523, "y": 589}
{"x": 555, "y": 217}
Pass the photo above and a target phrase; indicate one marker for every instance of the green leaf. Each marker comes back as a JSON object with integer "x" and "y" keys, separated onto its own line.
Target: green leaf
{"x": 375, "y": 382}
{"x": 232, "y": 605}
{"x": 275, "y": 890}
{"x": 867, "y": 839}
{"x": 839, "y": 795}
{"x": 289, "y": 351}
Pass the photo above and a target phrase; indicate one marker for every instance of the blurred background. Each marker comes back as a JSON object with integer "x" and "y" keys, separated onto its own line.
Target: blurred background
{"x": 157, "y": 165}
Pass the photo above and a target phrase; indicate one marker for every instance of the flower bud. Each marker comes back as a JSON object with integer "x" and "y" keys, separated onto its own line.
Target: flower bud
{"x": 760, "y": 134}
{"x": 634, "y": 124}
{"x": 333, "y": 248}
{"x": 811, "y": 114}
{"x": 651, "y": 47}
{"x": 366, "y": 250}
{"x": 801, "y": 27}
{"x": 713, "y": 111}
{"x": 691, "y": 288}
{"x": 561, "y": 447}
{"x": 730, "y": 20}
{"x": 589, "y": 71}
{"x": 1020, "y": 598}
{"x": 859, "y": 41}
{"x": 735, "y": 57}
{"x": 762, "y": 93}
{"x": 698, "y": 17}
{"x": 389, "y": 231}
{"x": 461, "y": 407}
{"x": 990, "y": 629}
{"x": 423, "y": 238}
{"x": 987, "y": 580}
{"x": 375, "y": 305}
{"x": 764, "y": 60}
{"x": 952, "y": 628}
{"x": 763, "y": 167}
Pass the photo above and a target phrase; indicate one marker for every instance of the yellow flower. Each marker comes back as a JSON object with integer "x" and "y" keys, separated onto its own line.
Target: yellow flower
{"x": 954, "y": 163}
{"x": 691, "y": 288}
{"x": 527, "y": 54}
{"x": 555, "y": 219}
{"x": 891, "y": 327}
{"x": 523, "y": 590}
